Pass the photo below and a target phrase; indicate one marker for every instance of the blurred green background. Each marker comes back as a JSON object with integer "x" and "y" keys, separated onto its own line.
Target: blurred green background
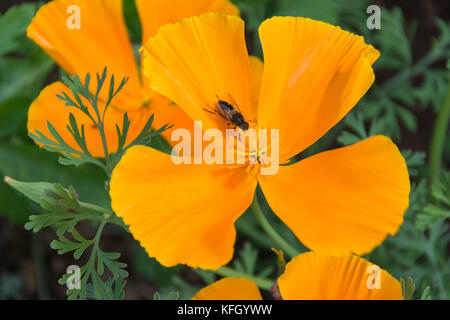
{"x": 407, "y": 103}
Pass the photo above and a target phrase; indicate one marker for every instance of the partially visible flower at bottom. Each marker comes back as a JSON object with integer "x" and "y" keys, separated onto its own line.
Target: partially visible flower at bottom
{"x": 314, "y": 276}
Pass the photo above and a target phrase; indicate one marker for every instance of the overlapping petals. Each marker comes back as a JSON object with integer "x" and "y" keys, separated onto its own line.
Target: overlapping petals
{"x": 42, "y": 110}
{"x": 156, "y": 13}
{"x": 199, "y": 60}
{"x": 256, "y": 74}
{"x": 103, "y": 41}
{"x": 313, "y": 276}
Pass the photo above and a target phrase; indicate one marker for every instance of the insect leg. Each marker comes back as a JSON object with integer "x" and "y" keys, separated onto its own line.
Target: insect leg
{"x": 213, "y": 112}
{"x": 216, "y": 112}
{"x": 222, "y": 115}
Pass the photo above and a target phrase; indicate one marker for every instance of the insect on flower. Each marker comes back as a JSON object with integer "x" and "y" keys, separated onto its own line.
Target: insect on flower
{"x": 338, "y": 201}
{"x": 227, "y": 111}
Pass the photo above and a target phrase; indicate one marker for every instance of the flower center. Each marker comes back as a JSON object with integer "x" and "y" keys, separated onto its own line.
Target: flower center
{"x": 252, "y": 154}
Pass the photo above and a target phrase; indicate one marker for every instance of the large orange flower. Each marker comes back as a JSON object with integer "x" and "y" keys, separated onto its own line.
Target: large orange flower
{"x": 312, "y": 276}
{"x": 338, "y": 201}
{"x": 103, "y": 41}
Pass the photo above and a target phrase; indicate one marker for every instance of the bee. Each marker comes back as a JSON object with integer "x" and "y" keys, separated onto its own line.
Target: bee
{"x": 230, "y": 113}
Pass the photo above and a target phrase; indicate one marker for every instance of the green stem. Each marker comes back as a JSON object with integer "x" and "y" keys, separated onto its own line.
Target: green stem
{"x": 105, "y": 149}
{"x": 286, "y": 247}
{"x": 254, "y": 233}
{"x": 98, "y": 235}
{"x": 95, "y": 208}
{"x": 438, "y": 137}
{"x": 101, "y": 130}
{"x": 111, "y": 217}
{"x": 262, "y": 283}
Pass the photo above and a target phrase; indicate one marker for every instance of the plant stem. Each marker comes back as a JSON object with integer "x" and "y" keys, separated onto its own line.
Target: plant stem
{"x": 112, "y": 219}
{"x": 101, "y": 130}
{"x": 270, "y": 231}
{"x": 438, "y": 137}
{"x": 105, "y": 148}
{"x": 263, "y": 283}
{"x": 95, "y": 208}
{"x": 98, "y": 235}
{"x": 254, "y": 233}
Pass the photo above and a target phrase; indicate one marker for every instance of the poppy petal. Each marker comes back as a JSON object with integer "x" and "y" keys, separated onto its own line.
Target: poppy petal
{"x": 48, "y": 108}
{"x": 314, "y": 73}
{"x": 181, "y": 213}
{"x": 167, "y": 112}
{"x": 101, "y": 41}
{"x": 230, "y": 289}
{"x": 344, "y": 200}
{"x": 199, "y": 60}
{"x": 256, "y": 72}
{"x": 156, "y": 13}
{"x": 312, "y": 276}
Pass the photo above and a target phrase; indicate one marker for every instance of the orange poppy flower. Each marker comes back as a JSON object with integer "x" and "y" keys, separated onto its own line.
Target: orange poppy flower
{"x": 312, "y": 276}
{"x": 102, "y": 41}
{"x": 338, "y": 201}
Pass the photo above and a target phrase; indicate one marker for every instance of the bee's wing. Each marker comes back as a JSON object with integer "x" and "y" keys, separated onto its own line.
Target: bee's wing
{"x": 216, "y": 111}
{"x": 229, "y": 98}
